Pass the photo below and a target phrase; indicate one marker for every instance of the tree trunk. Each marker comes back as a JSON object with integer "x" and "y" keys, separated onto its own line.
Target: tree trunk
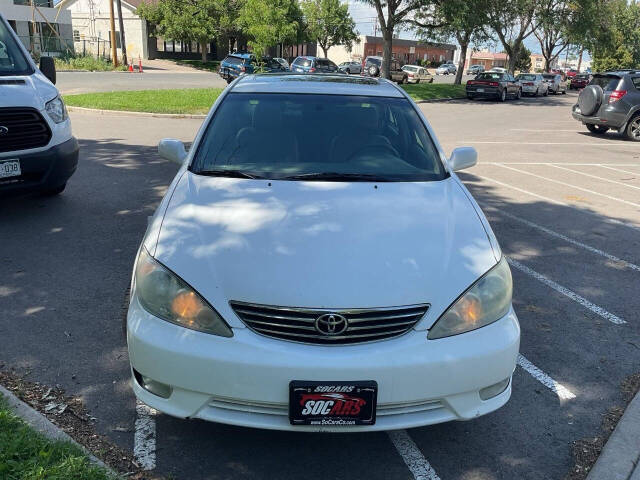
{"x": 203, "y": 47}
{"x": 580, "y": 58}
{"x": 387, "y": 45}
{"x": 461, "y": 63}
{"x": 325, "y": 50}
{"x": 513, "y": 54}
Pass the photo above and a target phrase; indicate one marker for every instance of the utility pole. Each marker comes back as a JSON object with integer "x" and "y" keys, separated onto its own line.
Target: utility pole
{"x": 114, "y": 51}
{"x": 123, "y": 44}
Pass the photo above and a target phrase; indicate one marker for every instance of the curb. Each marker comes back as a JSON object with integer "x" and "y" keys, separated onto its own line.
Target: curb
{"x": 621, "y": 454}
{"x": 47, "y": 428}
{"x": 440, "y": 100}
{"x": 135, "y": 114}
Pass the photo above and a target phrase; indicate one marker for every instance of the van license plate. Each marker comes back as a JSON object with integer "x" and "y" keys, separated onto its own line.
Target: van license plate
{"x": 10, "y": 168}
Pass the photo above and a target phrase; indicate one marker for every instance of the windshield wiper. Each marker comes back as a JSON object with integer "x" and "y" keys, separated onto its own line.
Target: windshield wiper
{"x": 353, "y": 177}
{"x": 229, "y": 173}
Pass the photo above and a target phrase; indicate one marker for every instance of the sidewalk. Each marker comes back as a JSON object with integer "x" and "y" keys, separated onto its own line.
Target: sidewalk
{"x": 621, "y": 454}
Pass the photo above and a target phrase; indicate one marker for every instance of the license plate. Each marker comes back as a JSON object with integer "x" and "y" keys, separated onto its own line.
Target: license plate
{"x": 332, "y": 403}
{"x": 480, "y": 90}
{"x": 10, "y": 168}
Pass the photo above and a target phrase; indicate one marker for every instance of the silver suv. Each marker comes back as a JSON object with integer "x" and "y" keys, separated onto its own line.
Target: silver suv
{"x": 611, "y": 101}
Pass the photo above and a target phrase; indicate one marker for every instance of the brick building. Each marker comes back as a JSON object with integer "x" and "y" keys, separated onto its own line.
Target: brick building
{"x": 487, "y": 59}
{"x": 406, "y": 51}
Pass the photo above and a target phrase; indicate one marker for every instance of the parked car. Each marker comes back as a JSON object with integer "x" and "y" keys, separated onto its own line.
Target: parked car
{"x": 38, "y": 152}
{"x": 258, "y": 300}
{"x": 446, "y": 69}
{"x": 611, "y": 101}
{"x": 572, "y": 73}
{"x": 533, "y": 84}
{"x": 350, "y": 67}
{"x": 308, "y": 64}
{"x": 417, "y": 74}
{"x": 493, "y": 85}
{"x": 282, "y": 62}
{"x": 580, "y": 81}
{"x": 373, "y": 66}
{"x": 498, "y": 70}
{"x": 475, "y": 69}
{"x": 555, "y": 83}
{"x": 237, "y": 64}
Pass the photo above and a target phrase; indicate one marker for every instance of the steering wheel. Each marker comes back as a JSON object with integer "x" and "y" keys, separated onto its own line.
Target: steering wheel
{"x": 377, "y": 147}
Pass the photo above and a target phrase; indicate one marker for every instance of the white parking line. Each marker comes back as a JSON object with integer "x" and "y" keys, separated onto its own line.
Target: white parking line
{"x": 568, "y": 293}
{"x": 538, "y": 130}
{"x": 571, "y": 186}
{"x": 144, "y": 439}
{"x": 596, "y": 177}
{"x": 412, "y": 456}
{"x": 621, "y": 165}
{"x": 570, "y": 240}
{"x": 566, "y": 163}
{"x": 550, "y": 200}
{"x": 582, "y": 144}
{"x": 561, "y": 391}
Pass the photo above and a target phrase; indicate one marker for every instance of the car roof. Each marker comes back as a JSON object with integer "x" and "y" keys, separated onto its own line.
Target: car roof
{"x": 316, "y": 83}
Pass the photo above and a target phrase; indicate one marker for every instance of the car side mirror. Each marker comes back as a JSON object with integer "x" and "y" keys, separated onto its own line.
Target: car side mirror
{"x": 463, "y": 157}
{"x": 172, "y": 150}
{"x": 48, "y": 68}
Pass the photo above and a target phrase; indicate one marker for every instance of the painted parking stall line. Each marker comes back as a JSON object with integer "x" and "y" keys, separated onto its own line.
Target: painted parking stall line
{"x": 592, "y": 192}
{"x": 561, "y": 391}
{"x": 579, "y": 164}
{"x": 568, "y": 293}
{"x": 611, "y": 166}
{"x": 589, "y": 248}
{"x": 144, "y": 439}
{"x": 412, "y": 456}
{"x": 596, "y": 177}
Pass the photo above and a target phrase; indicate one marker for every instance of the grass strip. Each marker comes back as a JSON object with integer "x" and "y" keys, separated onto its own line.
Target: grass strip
{"x": 26, "y": 454}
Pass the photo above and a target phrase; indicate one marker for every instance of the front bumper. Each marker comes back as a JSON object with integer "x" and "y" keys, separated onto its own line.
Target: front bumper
{"x": 43, "y": 170}
{"x": 244, "y": 380}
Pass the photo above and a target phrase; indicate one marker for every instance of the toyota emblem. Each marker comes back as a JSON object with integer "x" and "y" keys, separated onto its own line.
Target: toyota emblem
{"x": 3, "y": 131}
{"x": 331, "y": 324}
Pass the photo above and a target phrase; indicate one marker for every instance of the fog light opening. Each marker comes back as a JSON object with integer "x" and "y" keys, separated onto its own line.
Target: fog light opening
{"x": 495, "y": 389}
{"x": 152, "y": 386}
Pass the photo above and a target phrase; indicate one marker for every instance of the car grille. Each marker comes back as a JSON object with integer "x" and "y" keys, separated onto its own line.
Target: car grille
{"x": 299, "y": 324}
{"x": 25, "y": 129}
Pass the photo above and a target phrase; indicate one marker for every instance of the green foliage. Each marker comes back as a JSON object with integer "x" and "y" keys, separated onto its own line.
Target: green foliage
{"x": 617, "y": 45}
{"x": 85, "y": 62}
{"x": 187, "y": 20}
{"x": 513, "y": 22}
{"x": 329, "y": 23}
{"x": 430, "y": 91}
{"x": 184, "y": 101}
{"x": 25, "y": 454}
{"x": 271, "y": 22}
{"x": 523, "y": 62}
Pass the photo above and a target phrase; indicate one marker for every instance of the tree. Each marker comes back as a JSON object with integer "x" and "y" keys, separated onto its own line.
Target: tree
{"x": 464, "y": 20}
{"x": 513, "y": 22}
{"x": 329, "y": 23}
{"x": 552, "y": 32}
{"x": 190, "y": 21}
{"x": 397, "y": 13}
{"x": 523, "y": 60}
{"x": 270, "y": 22}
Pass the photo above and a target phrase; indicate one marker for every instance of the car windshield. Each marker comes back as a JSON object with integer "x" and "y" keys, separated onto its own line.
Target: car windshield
{"x": 549, "y": 76}
{"x": 12, "y": 60}
{"x": 375, "y": 61}
{"x": 410, "y": 69}
{"x": 582, "y": 77}
{"x": 363, "y": 139}
{"x": 526, "y": 77}
{"x": 489, "y": 76}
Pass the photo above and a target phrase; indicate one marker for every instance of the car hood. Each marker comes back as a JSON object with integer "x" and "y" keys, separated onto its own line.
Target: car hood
{"x": 323, "y": 244}
{"x": 28, "y": 91}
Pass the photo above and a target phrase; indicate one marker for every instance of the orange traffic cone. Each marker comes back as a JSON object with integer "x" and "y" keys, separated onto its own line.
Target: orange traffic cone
{"x": 131, "y": 67}
{"x": 140, "y": 65}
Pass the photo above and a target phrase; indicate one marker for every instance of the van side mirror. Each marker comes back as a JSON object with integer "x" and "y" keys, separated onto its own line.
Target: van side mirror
{"x": 172, "y": 150}
{"x": 463, "y": 157}
{"x": 48, "y": 68}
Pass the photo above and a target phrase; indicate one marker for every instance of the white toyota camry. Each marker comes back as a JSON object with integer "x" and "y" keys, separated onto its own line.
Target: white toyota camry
{"x": 317, "y": 265}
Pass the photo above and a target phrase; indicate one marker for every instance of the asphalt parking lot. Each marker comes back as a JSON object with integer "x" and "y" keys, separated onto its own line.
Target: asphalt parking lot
{"x": 564, "y": 204}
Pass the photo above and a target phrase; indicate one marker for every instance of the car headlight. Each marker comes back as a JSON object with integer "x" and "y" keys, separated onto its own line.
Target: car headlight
{"x": 56, "y": 110}
{"x": 163, "y": 294}
{"x": 486, "y": 301}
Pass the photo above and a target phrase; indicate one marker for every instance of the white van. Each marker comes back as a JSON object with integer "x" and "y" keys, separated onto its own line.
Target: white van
{"x": 37, "y": 150}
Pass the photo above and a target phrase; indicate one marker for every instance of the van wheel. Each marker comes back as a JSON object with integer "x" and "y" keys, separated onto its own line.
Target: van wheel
{"x": 598, "y": 129}
{"x": 50, "y": 192}
{"x": 633, "y": 129}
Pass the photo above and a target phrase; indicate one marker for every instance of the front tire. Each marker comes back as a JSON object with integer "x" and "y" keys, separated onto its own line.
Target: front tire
{"x": 519, "y": 94}
{"x": 633, "y": 129}
{"x": 503, "y": 95}
{"x": 598, "y": 129}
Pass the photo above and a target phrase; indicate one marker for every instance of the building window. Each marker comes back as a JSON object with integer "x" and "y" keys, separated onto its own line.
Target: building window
{"x": 37, "y": 3}
{"x": 76, "y": 35}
